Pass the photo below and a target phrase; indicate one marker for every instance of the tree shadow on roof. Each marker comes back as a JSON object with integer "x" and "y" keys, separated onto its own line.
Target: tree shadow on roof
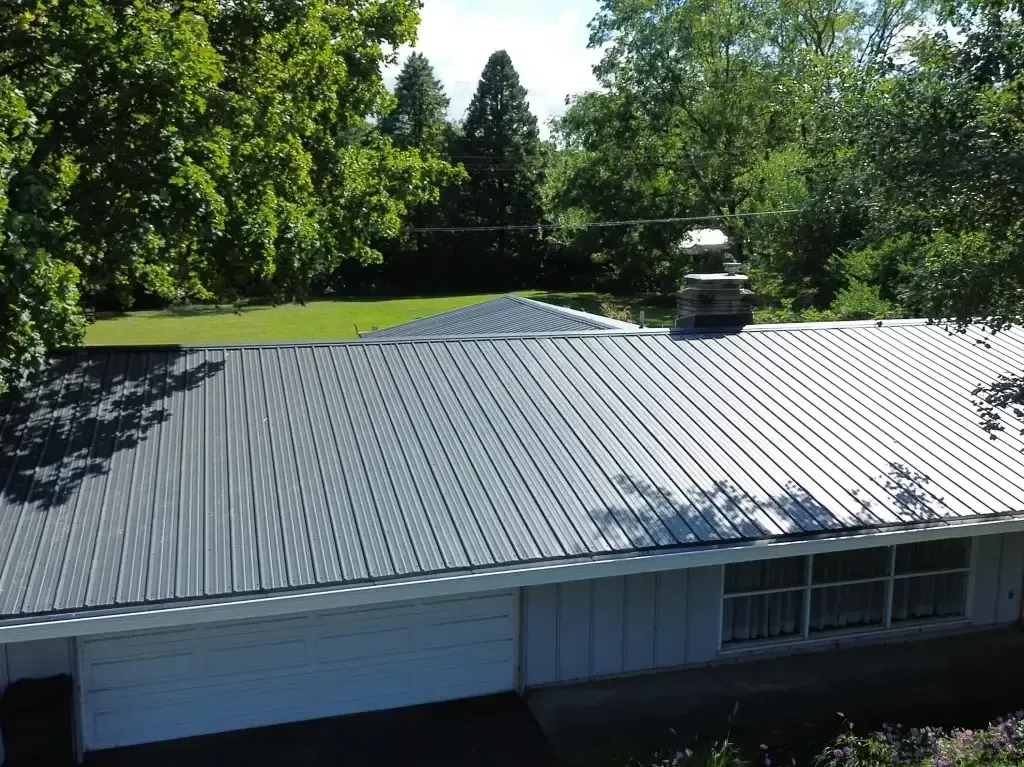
{"x": 653, "y": 516}
{"x": 87, "y": 408}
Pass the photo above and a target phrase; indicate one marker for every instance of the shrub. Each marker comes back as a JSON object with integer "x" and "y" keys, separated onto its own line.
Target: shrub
{"x": 1001, "y": 744}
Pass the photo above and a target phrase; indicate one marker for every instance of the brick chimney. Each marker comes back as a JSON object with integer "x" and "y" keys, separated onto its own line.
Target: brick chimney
{"x": 715, "y": 300}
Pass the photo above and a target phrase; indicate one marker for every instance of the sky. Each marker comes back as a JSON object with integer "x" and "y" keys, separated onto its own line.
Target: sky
{"x": 547, "y": 40}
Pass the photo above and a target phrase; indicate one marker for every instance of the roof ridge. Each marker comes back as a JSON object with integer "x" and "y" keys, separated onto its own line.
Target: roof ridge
{"x": 598, "y": 321}
{"x": 596, "y": 333}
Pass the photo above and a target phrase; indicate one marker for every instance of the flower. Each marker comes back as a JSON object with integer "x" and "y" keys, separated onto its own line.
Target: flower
{"x": 764, "y": 747}
{"x": 837, "y": 752}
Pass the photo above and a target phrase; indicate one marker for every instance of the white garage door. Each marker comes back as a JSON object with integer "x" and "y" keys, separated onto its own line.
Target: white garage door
{"x": 177, "y": 683}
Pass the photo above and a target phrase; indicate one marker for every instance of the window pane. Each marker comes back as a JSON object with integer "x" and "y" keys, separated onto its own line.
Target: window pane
{"x": 762, "y": 616}
{"x": 840, "y": 607}
{"x": 764, "y": 575}
{"x": 933, "y": 555}
{"x": 929, "y": 596}
{"x": 851, "y": 565}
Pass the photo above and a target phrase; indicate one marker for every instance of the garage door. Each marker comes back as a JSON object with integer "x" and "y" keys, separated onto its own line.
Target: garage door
{"x": 178, "y": 683}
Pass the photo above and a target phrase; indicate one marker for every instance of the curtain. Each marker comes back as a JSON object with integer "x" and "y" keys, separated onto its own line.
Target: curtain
{"x": 929, "y": 596}
{"x": 762, "y": 616}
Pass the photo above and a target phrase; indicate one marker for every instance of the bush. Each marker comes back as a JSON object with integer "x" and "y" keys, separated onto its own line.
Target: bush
{"x": 1001, "y": 744}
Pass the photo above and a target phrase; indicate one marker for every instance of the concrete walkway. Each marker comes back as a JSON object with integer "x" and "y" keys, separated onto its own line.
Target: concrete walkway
{"x": 789, "y": 702}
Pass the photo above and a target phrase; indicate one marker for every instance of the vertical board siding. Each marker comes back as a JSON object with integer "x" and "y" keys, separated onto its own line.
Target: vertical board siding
{"x": 610, "y": 626}
{"x": 670, "y": 631}
{"x": 574, "y": 630}
{"x": 607, "y": 654}
{"x": 998, "y": 579}
{"x": 1011, "y": 574}
{"x": 704, "y": 619}
{"x": 540, "y": 634}
{"x": 988, "y": 555}
{"x": 638, "y": 632}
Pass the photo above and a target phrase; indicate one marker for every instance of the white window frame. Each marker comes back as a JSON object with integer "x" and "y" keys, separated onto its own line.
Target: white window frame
{"x": 832, "y": 636}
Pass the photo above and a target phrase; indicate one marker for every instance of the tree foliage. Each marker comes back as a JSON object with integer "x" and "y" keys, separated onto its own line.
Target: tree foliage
{"x": 501, "y": 149}
{"x": 190, "y": 150}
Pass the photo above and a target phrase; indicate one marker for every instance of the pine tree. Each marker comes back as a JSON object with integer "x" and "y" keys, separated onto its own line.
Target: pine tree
{"x": 501, "y": 152}
{"x": 418, "y": 119}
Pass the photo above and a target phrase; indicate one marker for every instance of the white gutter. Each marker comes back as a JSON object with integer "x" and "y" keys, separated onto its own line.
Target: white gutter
{"x": 463, "y": 583}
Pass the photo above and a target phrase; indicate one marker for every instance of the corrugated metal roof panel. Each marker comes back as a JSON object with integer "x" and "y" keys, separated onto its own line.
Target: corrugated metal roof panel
{"x": 505, "y": 314}
{"x": 154, "y": 476}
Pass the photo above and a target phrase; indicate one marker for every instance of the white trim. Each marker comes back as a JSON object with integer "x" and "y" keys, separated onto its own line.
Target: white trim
{"x": 470, "y": 582}
{"x": 842, "y": 636}
{"x": 518, "y": 678}
{"x": 78, "y": 700}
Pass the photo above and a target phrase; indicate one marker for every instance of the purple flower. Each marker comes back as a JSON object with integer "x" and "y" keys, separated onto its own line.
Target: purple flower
{"x": 837, "y": 752}
{"x": 764, "y": 747}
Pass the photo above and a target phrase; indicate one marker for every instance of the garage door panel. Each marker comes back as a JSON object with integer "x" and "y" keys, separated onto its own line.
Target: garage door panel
{"x": 152, "y": 669}
{"x": 281, "y": 655}
{"x": 231, "y": 676}
{"x": 365, "y": 644}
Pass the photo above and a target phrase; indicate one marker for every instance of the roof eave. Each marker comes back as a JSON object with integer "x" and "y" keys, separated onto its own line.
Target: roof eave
{"x": 469, "y": 582}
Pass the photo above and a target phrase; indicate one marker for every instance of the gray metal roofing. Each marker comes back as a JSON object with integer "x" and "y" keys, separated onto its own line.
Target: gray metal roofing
{"x": 152, "y": 476}
{"x": 505, "y": 314}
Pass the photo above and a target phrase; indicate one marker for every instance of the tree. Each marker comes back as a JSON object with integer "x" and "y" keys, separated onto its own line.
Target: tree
{"x": 418, "y": 123}
{"x": 946, "y": 187}
{"x": 187, "y": 151}
{"x": 418, "y": 118}
{"x": 502, "y": 154}
{"x": 712, "y": 108}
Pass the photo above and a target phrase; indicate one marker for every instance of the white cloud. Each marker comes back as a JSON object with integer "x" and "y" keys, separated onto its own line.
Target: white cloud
{"x": 547, "y": 41}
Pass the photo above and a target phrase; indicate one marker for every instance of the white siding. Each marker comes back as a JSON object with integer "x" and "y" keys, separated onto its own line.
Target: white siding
{"x": 998, "y": 578}
{"x": 611, "y": 626}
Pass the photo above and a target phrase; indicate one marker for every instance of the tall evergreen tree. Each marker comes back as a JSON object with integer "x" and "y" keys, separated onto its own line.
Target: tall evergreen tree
{"x": 417, "y": 122}
{"x": 418, "y": 119}
{"x": 501, "y": 151}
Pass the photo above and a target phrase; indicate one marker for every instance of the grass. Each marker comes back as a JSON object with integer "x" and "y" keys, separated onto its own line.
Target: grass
{"x": 328, "y": 320}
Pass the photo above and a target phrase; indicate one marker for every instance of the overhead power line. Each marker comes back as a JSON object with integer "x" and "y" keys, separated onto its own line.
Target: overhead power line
{"x": 597, "y": 224}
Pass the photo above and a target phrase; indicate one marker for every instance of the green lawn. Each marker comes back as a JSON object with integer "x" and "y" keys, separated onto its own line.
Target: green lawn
{"x": 322, "y": 320}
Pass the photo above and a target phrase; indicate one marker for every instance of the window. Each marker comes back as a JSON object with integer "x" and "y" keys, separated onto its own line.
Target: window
{"x": 807, "y": 597}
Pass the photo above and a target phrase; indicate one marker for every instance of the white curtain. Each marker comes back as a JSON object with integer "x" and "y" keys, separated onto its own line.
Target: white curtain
{"x": 762, "y": 616}
{"x": 929, "y": 596}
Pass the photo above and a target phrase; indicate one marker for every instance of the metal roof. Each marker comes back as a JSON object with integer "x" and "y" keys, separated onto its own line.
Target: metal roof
{"x": 505, "y": 314}
{"x": 157, "y": 476}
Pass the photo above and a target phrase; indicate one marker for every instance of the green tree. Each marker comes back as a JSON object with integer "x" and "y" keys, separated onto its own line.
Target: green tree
{"x": 502, "y": 154}
{"x": 191, "y": 151}
{"x": 418, "y": 118}
{"x": 413, "y": 262}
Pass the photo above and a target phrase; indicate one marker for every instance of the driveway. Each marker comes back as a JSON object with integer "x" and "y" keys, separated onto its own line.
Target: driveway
{"x": 497, "y": 731}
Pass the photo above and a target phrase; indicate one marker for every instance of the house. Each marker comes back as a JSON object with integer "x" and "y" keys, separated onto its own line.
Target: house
{"x": 505, "y": 314}
{"x": 210, "y": 539}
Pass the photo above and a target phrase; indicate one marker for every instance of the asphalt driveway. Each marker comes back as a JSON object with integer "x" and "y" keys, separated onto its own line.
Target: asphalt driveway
{"x": 498, "y": 731}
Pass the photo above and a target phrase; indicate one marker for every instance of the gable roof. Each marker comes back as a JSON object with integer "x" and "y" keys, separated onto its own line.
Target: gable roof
{"x": 505, "y": 314}
{"x": 150, "y": 477}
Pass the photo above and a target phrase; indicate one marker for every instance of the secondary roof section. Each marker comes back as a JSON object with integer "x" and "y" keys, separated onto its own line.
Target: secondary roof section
{"x": 505, "y": 314}
{"x": 155, "y": 476}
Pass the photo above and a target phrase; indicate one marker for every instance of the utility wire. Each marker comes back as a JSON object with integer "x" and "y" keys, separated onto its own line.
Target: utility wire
{"x": 597, "y": 224}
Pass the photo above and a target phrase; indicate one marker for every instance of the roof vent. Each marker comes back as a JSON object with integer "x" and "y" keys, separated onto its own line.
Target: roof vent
{"x": 714, "y": 299}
